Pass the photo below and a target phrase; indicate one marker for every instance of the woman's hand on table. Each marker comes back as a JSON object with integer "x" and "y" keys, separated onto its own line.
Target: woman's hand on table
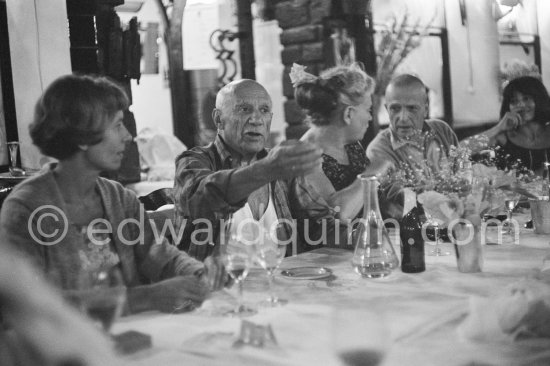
{"x": 177, "y": 294}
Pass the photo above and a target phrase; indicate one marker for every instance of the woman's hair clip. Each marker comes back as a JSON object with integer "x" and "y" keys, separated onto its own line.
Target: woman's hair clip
{"x": 298, "y": 75}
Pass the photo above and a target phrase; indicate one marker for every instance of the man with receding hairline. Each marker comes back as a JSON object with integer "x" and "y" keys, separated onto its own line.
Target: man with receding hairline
{"x": 235, "y": 175}
{"x": 412, "y": 141}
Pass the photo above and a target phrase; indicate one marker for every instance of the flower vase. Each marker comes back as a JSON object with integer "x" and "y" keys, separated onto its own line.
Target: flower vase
{"x": 469, "y": 251}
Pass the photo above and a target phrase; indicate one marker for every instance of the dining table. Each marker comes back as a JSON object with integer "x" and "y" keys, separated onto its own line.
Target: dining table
{"x": 420, "y": 316}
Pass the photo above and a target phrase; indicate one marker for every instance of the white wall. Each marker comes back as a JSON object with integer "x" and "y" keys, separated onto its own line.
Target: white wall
{"x": 39, "y": 54}
{"x": 151, "y": 103}
{"x": 474, "y": 63}
{"x": 475, "y": 55}
{"x": 151, "y": 97}
{"x": 269, "y": 69}
{"x": 425, "y": 10}
{"x": 424, "y": 61}
{"x": 543, "y": 12}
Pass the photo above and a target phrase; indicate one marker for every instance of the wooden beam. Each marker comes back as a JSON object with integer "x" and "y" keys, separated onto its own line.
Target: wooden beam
{"x": 182, "y": 108}
{"x": 246, "y": 39}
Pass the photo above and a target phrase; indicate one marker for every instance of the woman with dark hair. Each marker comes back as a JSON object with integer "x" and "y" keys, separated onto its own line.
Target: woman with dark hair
{"x": 522, "y": 135}
{"x": 70, "y": 221}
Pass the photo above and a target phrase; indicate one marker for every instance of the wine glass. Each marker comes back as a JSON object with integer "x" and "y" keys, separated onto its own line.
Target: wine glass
{"x": 101, "y": 295}
{"x": 510, "y": 204}
{"x": 361, "y": 337}
{"x": 269, "y": 254}
{"x": 436, "y": 226}
{"x": 237, "y": 259}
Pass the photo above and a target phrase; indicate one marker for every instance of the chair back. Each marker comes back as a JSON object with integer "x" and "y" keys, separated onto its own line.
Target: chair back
{"x": 158, "y": 198}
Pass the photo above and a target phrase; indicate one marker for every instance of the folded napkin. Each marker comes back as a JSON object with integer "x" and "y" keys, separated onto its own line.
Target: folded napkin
{"x": 521, "y": 310}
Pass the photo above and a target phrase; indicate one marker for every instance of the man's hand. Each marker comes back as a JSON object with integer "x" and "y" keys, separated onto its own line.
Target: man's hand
{"x": 177, "y": 294}
{"x": 216, "y": 275}
{"x": 292, "y": 159}
{"x": 379, "y": 168}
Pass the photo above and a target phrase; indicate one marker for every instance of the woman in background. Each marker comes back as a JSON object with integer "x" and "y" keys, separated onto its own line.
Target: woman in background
{"x": 69, "y": 221}
{"x": 522, "y": 135}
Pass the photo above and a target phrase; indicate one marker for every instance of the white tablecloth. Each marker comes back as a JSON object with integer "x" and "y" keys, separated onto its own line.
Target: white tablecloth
{"x": 421, "y": 311}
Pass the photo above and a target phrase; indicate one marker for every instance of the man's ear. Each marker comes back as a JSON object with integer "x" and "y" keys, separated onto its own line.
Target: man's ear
{"x": 348, "y": 114}
{"x": 427, "y": 108}
{"x": 216, "y": 117}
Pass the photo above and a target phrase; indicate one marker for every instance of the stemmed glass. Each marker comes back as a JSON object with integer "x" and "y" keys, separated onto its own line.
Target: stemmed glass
{"x": 236, "y": 256}
{"x": 435, "y": 225}
{"x": 510, "y": 204}
{"x": 269, "y": 254}
{"x": 101, "y": 295}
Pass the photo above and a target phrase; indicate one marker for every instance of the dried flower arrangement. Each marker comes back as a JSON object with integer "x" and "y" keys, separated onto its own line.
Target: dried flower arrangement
{"x": 398, "y": 39}
{"x": 461, "y": 188}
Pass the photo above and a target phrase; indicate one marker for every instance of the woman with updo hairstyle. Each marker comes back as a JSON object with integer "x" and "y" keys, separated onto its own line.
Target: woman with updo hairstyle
{"x": 70, "y": 222}
{"x": 337, "y": 104}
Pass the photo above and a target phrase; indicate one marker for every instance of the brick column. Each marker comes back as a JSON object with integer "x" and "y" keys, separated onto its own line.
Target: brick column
{"x": 306, "y": 40}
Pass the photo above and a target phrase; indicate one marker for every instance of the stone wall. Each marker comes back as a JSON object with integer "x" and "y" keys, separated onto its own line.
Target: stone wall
{"x": 306, "y": 40}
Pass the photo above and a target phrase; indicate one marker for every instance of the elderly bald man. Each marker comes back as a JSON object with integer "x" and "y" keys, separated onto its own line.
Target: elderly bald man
{"x": 236, "y": 176}
{"x": 412, "y": 142}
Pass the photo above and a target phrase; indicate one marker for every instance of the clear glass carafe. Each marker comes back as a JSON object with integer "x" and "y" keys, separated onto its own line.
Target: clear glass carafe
{"x": 374, "y": 255}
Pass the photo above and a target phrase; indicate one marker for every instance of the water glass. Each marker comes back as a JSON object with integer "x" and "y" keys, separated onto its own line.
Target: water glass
{"x": 13, "y": 148}
{"x": 237, "y": 259}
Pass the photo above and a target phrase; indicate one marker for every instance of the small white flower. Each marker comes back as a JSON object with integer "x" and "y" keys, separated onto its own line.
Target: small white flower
{"x": 298, "y": 75}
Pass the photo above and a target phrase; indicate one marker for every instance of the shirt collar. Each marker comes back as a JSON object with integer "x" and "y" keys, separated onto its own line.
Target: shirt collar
{"x": 397, "y": 143}
{"x": 225, "y": 152}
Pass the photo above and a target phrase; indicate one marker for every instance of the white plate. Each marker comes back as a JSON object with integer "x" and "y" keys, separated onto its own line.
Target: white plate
{"x": 307, "y": 273}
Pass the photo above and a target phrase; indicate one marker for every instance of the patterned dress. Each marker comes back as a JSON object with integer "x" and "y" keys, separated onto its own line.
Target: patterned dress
{"x": 513, "y": 156}
{"x": 341, "y": 175}
{"x": 96, "y": 249}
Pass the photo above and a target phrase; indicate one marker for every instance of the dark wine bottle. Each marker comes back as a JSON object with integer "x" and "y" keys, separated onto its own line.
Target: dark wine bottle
{"x": 412, "y": 242}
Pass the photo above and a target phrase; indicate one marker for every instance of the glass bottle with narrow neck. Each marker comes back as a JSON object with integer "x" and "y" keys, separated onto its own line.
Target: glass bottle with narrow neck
{"x": 374, "y": 255}
{"x": 412, "y": 241}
